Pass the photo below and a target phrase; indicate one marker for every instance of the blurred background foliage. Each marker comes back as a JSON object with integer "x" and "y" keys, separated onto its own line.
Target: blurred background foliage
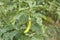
{"x": 45, "y": 17}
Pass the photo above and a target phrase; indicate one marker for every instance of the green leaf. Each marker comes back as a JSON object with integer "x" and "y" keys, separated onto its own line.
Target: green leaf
{"x": 9, "y": 36}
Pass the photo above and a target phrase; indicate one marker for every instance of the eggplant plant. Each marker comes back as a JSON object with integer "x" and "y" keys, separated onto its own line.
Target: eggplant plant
{"x": 29, "y": 19}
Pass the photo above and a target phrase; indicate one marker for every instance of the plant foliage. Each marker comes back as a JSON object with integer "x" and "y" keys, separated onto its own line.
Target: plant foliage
{"x": 40, "y": 19}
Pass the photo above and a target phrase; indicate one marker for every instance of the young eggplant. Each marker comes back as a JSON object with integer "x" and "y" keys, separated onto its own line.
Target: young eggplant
{"x": 28, "y": 26}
